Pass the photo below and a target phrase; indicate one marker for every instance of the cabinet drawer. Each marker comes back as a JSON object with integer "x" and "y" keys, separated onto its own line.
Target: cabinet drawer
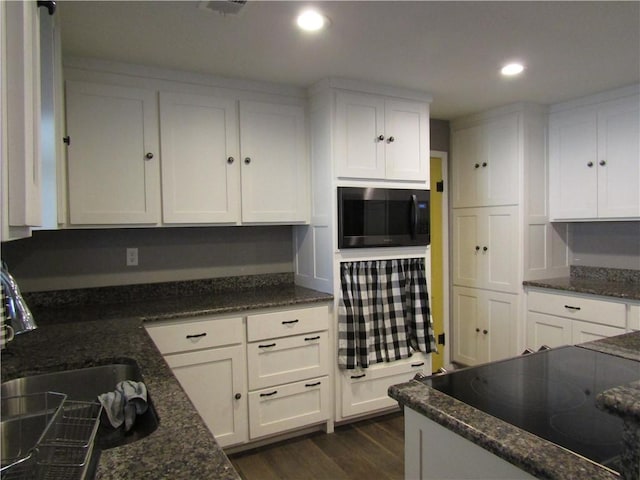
{"x": 579, "y": 308}
{"x": 365, "y": 390}
{"x": 289, "y": 406}
{"x": 634, "y": 317}
{"x": 286, "y": 323}
{"x": 196, "y": 335}
{"x": 288, "y": 359}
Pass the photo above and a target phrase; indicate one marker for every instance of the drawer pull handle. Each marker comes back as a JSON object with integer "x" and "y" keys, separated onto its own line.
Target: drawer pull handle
{"x": 359, "y": 376}
{"x": 308, "y": 339}
{"x": 197, "y": 335}
{"x": 269, "y": 394}
{"x": 288, "y": 322}
{"x": 312, "y": 384}
{"x": 267, "y": 345}
{"x": 417, "y": 364}
{"x": 571, "y": 308}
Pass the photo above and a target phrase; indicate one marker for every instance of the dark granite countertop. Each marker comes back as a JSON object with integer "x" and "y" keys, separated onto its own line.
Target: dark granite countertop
{"x": 84, "y": 335}
{"x": 608, "y": 282}
{"x": 529, "y": 452}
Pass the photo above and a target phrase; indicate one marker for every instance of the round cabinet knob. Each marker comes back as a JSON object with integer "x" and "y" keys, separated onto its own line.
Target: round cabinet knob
{"x": 485, "y": 331}
{"x": 238, "y": 396}
{"x": 477, "y": 330}
{"x": 247, "y": 160}
{"x": 230, "y": 160}
{"x": 484, "y": 164}
{"x": 391, "y": 139}
{"x": 477, "y": 248}
{"x": 484, "y": 249}
{"x": 590, "y": 164}
{"x": 477, "y": 165}
{"x": 380, "y": 137}
{"x": 149, "y": 156}
{"x": 602, "y": 163}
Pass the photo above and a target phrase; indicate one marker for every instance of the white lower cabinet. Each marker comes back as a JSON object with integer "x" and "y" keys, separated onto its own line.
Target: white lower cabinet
{"x": 427, "y": 454}
{"x": 207, "y": 356}
{"x": 288, "y": 367}
{"x": 364, "y": 391}
{"x": 560, "y": 319}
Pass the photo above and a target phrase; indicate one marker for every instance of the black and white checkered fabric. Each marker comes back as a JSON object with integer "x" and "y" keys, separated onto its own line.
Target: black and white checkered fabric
{"x": 384, "y": 312}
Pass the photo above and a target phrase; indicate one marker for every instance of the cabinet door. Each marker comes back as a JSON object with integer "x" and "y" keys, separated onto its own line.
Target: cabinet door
{"x": 406, "y": 141}
{"x": 582, "y": 332}
{"x": 467, "y": 158}
{"x": 359, "y": 126}
{"x": 549, "y": 330}
{"x": 498, "y": 254}
{"x": 619, "y": 159}
{"x": 21, "y": 115}
{"x": 467, "y": 313}
{"x": 200, "y": 164}
{"x": 573, "y": 164}
{"x": 214, "y": 381}
{"x": 113, "y": 157}
{"x": 499, "y": 326}
{"x": 466, "y": 247}
{"x": 499, "y": 170}
{"x": 275, "y": 183}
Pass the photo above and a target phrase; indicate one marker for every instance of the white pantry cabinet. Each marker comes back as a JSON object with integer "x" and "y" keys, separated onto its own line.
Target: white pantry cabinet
{"x": 20, "y": 119}
{"x": 200, "y": 164}
{"x": 207, "y": 356}
{"x": 113, "y": 157}
{"x": 594, "y": 161}
{"x": 485, "y": 253}
{"x": 486, "y": 166}
{"x": 485, "y": 324}
{"x": 555, "y": 319}
{"x": 381, "y": 138}
{"x": 275, "y": 178}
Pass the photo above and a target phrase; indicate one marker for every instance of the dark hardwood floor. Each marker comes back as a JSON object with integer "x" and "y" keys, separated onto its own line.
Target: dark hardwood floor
{"x": 366, "y": 449}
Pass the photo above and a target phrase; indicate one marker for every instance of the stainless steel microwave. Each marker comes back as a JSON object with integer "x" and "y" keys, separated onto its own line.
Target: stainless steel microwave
{"x": 382, "y": 217}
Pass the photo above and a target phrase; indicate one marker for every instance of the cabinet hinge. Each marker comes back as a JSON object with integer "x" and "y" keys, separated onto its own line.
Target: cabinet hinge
{"x": 441, "y": 339}
{"x": 440, "y": 186}
{"x": 67, "y": 140}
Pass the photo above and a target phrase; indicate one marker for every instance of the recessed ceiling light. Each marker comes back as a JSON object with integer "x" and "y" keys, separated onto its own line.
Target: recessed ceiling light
{"x": 311, "y": 21}
{"x": 512, "y": 69}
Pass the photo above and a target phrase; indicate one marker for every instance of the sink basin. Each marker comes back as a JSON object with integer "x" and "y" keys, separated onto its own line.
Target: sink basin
{"x": 85, "y": 384}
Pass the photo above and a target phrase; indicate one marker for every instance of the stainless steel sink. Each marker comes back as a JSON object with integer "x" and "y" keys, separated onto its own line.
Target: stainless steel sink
{"x": 85, "y": 384}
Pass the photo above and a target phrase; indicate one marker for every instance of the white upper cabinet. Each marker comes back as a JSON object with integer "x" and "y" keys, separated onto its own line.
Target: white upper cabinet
{"x": 594, "y": 161}
{"x": 20, "y": 118}
{"x": 381, "y": 138}
{"x": 113, "y": 155}
{"x": 200, "y": 164}
{"x": 273, "y": 151}
{"x": 486, "y": 163}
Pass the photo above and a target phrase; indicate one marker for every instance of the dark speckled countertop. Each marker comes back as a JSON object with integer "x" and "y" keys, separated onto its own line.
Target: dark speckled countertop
{"x": 529, "y": 452}
{"x": 608, "y": 282}
{"x": 74, "y": 334}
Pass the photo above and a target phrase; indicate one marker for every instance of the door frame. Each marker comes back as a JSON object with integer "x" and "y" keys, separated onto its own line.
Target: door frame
{"x": 446, "y": 317}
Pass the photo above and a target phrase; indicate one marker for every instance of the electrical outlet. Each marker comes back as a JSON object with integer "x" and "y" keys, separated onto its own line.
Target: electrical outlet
{"x": 132, "y": 257}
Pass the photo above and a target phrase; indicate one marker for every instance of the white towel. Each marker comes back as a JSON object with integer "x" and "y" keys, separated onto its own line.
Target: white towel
{"x": 128, "y": 400}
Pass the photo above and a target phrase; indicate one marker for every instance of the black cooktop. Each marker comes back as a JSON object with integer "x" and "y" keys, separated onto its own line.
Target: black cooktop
{"x": 550, "y": 394}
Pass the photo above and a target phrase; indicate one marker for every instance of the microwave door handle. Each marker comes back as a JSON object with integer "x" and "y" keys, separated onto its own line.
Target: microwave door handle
{"x": 414, "y": 215}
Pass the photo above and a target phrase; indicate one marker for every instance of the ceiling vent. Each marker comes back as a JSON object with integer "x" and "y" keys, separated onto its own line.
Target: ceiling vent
{"x": 223, "y": 7}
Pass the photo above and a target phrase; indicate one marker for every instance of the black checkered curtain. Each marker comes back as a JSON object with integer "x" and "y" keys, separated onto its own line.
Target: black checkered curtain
{"x": 383, "y": 313}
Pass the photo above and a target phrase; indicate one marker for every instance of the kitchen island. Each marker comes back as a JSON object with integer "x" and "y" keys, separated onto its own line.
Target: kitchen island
{"x": 513, "y": 446}
{"x": 76, "y": 331}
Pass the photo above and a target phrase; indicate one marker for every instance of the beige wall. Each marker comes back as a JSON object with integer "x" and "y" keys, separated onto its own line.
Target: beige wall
{"x": 605, "y": 244}
{"x": 53, "y": 260}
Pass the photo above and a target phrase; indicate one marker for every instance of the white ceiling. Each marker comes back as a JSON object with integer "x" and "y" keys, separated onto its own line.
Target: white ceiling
{"x": 452, "y": 50}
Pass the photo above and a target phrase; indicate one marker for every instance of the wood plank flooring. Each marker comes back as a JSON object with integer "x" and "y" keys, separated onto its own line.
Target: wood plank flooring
{"x": 366, "y": 449}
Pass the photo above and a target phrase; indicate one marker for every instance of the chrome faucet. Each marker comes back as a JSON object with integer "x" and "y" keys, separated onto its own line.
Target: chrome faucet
{"x": 18, "y": 312}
